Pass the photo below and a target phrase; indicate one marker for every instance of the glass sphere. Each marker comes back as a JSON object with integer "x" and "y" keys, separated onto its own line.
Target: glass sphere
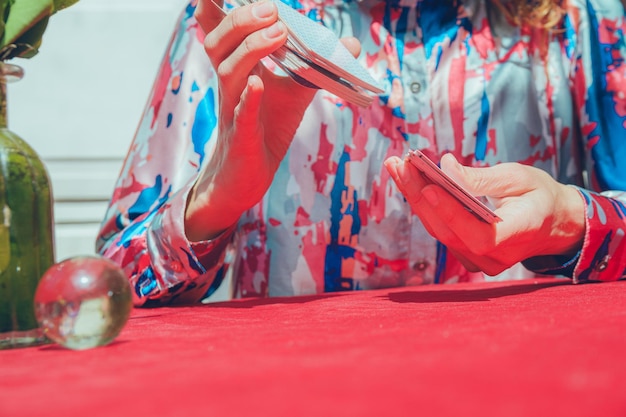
{"x": 83, "y": 302}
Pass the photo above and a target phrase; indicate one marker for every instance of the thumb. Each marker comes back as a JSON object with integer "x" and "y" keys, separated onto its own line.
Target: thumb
{"x": 247, "y": 111}
{"x": 501, "y": 180}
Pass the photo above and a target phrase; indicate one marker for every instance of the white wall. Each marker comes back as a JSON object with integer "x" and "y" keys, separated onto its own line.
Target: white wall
{"x": 80, "y": 101}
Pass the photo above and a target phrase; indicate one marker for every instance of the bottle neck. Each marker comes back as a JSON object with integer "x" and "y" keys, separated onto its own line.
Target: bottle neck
{"x": 8, "y": 73}
{"x": 3, "y": 104}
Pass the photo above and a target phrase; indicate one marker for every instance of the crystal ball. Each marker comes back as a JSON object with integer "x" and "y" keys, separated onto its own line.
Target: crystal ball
{"x": 83, "y": 302}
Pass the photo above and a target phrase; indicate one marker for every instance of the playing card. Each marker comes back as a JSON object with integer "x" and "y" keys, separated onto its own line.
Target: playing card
{"x": 323, "y": 47}
{"x": 314, "y": 56}
{"x": 431, "y": 171}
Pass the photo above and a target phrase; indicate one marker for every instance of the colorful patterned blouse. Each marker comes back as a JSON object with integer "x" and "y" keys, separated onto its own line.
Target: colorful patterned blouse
{"x": 457, "y": 78}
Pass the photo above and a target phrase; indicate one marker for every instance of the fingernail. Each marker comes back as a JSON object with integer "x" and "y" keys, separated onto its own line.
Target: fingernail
{"x": 274, "y": 31}
{"x": 390, "y": 163}
{"x": 430, "y": 196}
{"x": 263, "y": 9}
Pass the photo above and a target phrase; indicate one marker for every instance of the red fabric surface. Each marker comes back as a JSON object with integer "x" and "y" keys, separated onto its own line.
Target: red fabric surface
{"x": 523, "y": 348}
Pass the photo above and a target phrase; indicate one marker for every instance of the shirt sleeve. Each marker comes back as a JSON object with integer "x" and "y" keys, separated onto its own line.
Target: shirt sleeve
{"x": 594, "y": 32}
{"x": 143, "y": 228}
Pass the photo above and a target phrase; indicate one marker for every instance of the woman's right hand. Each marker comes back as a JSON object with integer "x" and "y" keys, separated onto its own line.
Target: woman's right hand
{"x": 259, "y": 113}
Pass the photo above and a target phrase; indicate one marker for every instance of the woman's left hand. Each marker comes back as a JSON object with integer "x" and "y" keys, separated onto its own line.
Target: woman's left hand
{"x": 539, "y": 215}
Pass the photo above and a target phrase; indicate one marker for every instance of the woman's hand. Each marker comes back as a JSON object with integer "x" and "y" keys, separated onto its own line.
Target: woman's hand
{"x": 539, "y": 215}
{"x": 259, "y": 113}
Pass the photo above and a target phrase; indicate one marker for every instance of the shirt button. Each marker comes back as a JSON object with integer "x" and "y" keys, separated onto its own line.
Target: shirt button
{"x": 420, "y": 265}
{"x": 603, "y": 264}
{"x": 415, "y": 87}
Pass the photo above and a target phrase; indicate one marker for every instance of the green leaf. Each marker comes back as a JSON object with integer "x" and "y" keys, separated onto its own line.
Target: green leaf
{"x": 23, "y": 16}
{"x": 4, "y": 12}
{"x": 24, "y": 23}
{"x": 28, "y": 44}
{"x": 62, "y": 4}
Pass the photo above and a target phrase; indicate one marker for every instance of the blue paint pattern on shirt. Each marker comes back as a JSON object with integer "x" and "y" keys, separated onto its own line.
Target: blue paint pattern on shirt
{"x": 204, "y": 124}
{"x": 336, "y": 252}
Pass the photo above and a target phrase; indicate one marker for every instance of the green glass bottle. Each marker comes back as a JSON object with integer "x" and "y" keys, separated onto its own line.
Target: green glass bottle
{"x": 26, "y": 228}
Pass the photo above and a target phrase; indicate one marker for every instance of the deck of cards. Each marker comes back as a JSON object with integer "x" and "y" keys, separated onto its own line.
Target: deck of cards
{"x": 314, "y": 56}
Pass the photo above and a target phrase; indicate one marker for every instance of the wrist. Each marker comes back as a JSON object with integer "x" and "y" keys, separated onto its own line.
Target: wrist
{"x": 206, "y": 216}
{"x": 570, "y": 221}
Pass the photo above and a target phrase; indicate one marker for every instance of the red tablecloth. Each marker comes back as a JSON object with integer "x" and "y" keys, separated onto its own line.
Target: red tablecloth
{"x": 522, "y": 348}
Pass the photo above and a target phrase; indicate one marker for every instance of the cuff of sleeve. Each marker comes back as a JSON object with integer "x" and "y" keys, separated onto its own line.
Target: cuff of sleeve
{"x": 176, "y": 260}
{"x": 552, "y": 265}
{"x": 604, "y": 243}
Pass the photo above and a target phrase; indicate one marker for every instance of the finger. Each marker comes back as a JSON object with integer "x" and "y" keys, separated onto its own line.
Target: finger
{"x": 410, "y": 181}
{"x": 237, "y": 26}
{"x": 506, "y": 179}
{"x": 432, "y": 204}
{"x": 413, "y": 185}
{"x": 247, "y": 115}
{"x": 209, "y": 13}
{"x": 352, "y": 44}
{"x": 241, "y": 151}
{"x": 444, "y": 216}
{"x": 253, "y": 48}
{"x": 456, "y": 225}
{"x": 486, "y": 264}
{"x": 391, "y": 165}
{"x": 469, "y": 265}
{"x": 234, "y": 71}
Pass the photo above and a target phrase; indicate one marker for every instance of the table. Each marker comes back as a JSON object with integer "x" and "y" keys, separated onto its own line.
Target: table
{"x": 542, "y": 347}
